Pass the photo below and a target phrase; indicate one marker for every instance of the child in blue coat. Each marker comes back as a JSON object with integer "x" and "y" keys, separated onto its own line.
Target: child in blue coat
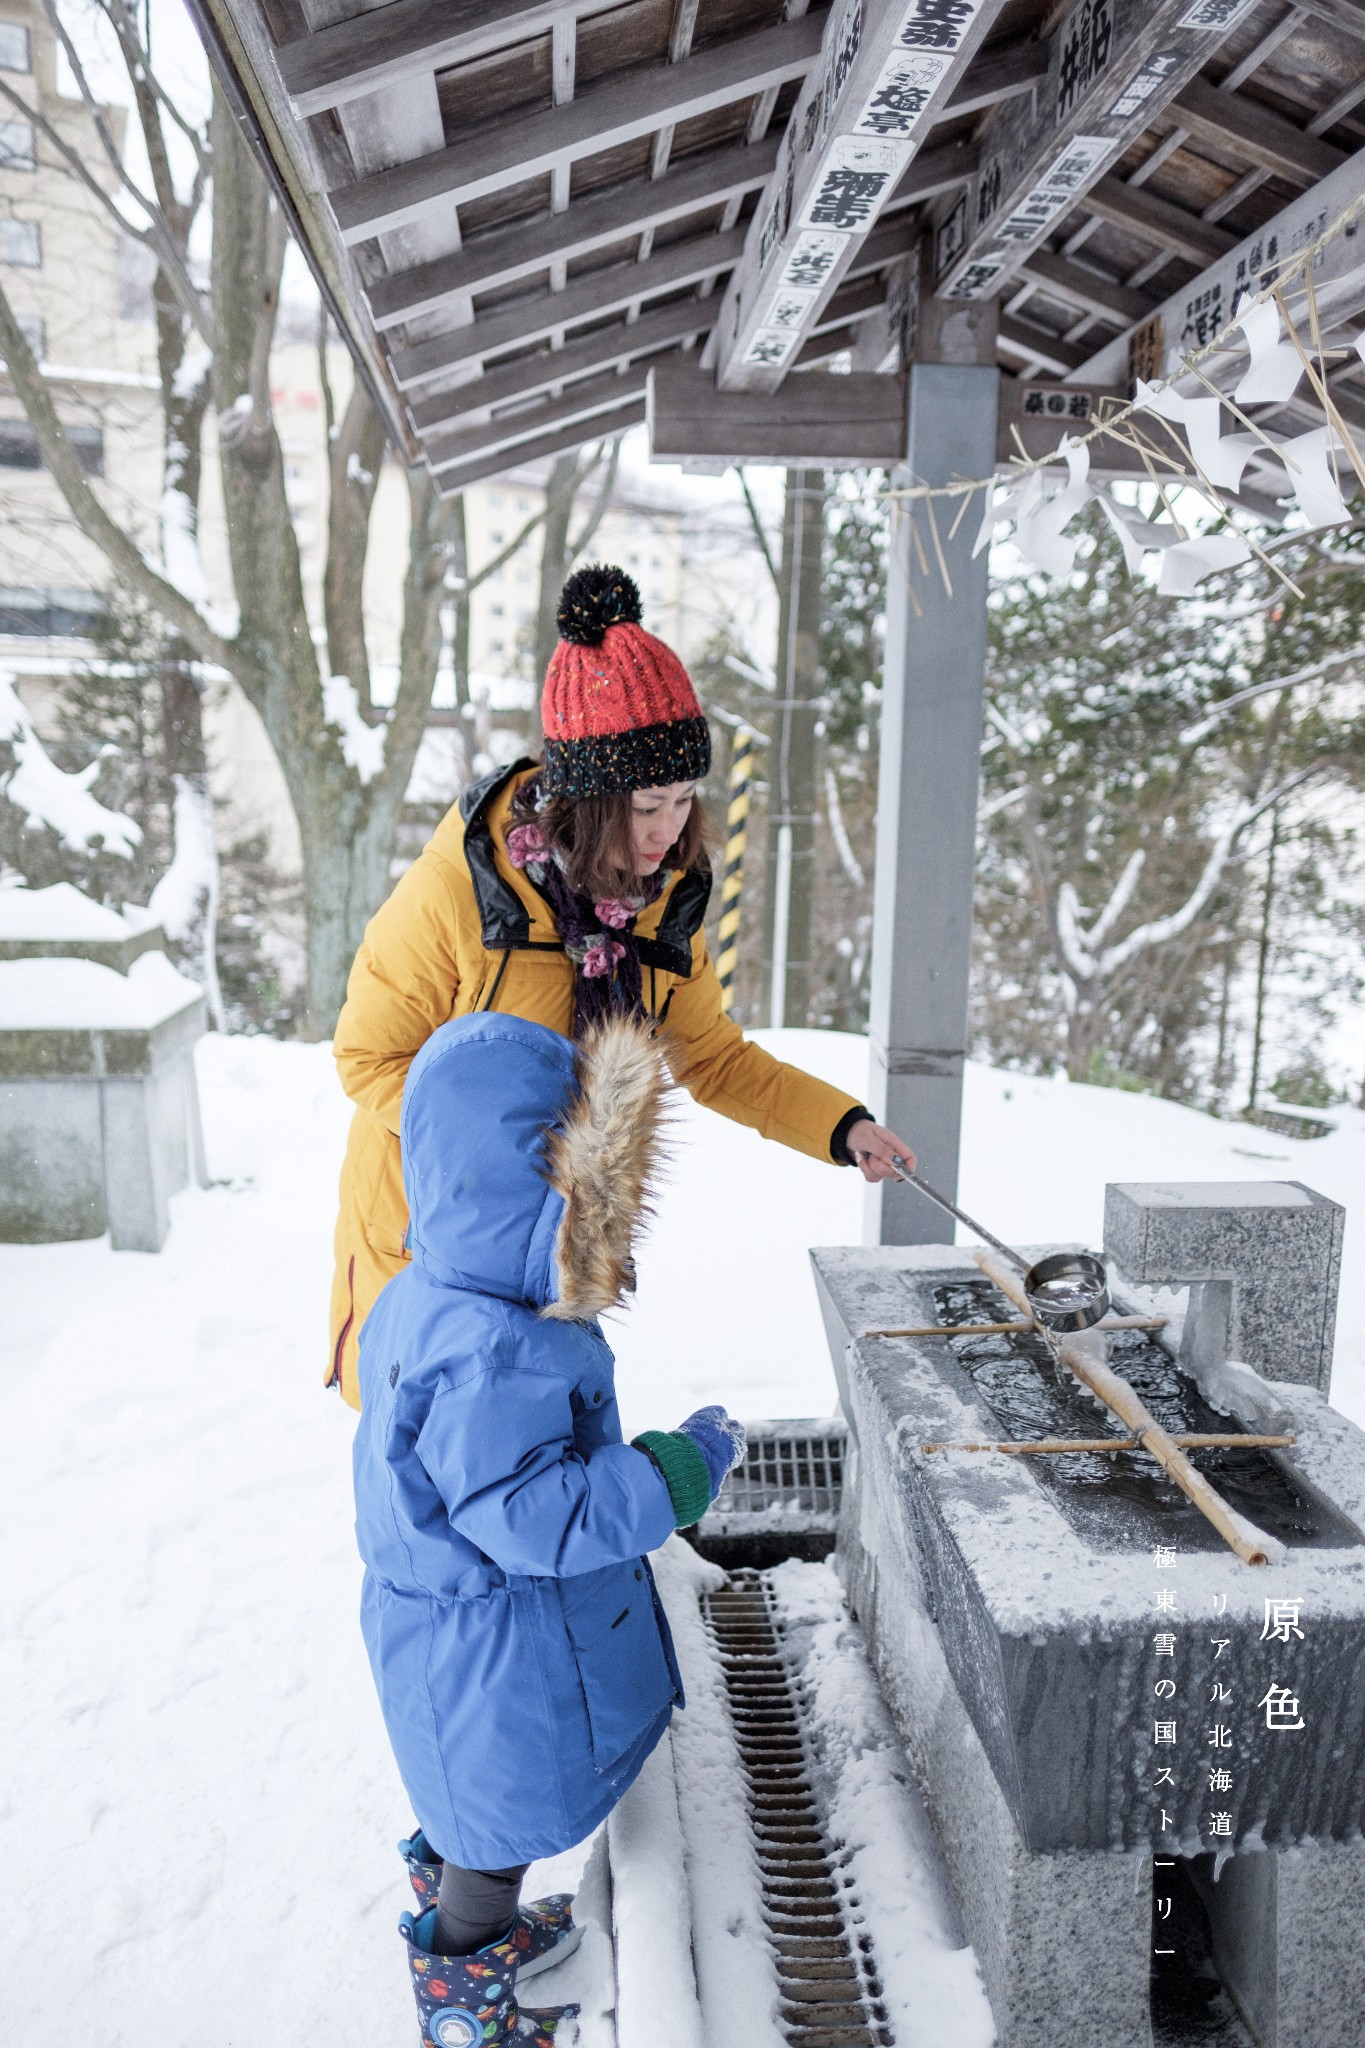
{"x": 523, "y": 1660}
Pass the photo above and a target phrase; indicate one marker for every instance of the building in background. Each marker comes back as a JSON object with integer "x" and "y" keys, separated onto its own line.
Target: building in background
{"x": 81, "y": 290}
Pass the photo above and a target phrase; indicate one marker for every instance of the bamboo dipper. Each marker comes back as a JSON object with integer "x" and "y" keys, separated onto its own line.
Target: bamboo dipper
{"x": 1084, "y": 1355}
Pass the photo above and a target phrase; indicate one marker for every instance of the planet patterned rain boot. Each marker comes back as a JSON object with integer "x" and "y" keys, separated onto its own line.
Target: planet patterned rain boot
{"x": 471, "y": 2001}
{"x": 544, "y": 1933}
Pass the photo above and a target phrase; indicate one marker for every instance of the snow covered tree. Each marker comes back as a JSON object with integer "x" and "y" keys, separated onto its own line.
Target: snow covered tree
{"x": 1129, "y": 766}
{"x": 346, "y": 761}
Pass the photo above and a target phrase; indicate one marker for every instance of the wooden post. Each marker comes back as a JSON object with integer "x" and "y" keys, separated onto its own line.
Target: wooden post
{"x": 929, "y": 776}
{"x": 791, "y": 752}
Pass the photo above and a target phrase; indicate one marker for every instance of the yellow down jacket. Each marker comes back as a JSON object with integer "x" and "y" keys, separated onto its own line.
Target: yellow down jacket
{"x": 464, "y": 930}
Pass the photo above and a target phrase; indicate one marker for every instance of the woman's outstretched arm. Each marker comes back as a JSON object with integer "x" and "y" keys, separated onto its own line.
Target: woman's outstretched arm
{"x": 714, "y": 1061}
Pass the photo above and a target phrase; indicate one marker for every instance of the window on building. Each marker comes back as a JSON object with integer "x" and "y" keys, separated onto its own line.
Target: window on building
{"x": 21, "y": 243}
{"x": 496, "y": 646}
{"x": 34, "y": 332}
{"x": 42, "y": 614}
{"x": 14, "y": 51}
{"x": 496, "y": 610}
{"x": 16, "y": 146}
{"x": 19, "y": 446}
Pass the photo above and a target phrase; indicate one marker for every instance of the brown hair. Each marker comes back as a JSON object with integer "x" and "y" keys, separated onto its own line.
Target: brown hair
{"x": 591, "y": 834}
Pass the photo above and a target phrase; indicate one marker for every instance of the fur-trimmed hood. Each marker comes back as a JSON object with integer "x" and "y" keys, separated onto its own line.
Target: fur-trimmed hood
{"x": 529, "y": 1162}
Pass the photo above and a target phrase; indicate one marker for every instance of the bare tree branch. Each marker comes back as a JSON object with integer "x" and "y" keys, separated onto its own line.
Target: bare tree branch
{"x": 329, "y": 410}
{"x": 123, "y": 20}
{"x": 518, "y": 541}
{"x": 157, "y": 236}
{"x": 122, "y": 553}
{"x": 601, "y": 501}
{"x": 759, "y": 535}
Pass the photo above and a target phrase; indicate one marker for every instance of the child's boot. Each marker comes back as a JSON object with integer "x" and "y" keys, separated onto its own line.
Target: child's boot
{"x": 471, "y": 2001}
{"x": 544, "y": 1931}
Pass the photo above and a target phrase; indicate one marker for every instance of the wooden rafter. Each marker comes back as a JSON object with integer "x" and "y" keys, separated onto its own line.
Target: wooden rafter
{"x": 505, "y": 255}
{"x": 1038, "y": 160}
{"x": 1204, "y": 306}
{"x": 1036, "y": 345}
{"x": 1083, "y": 287}
{"x": 620, "y": 109}
{"x": 607, "y": 348}
{"x": 351, "y": 59}
{"x": 590, "y": 400}
{"x": 454, "y": 480}
{"x": 1255, "y": 134}
{"x": 817, "y": 419}
{"x": 1153, "y": 219}
{"x": 887, "y": 69}
{"x": 542, "y": 314}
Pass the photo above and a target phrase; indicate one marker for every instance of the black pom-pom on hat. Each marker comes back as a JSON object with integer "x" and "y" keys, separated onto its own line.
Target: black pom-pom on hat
{"x": 595, "y": 598}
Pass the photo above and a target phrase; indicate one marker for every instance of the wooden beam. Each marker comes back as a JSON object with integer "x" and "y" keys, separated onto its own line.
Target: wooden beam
{"x": 1063, "y": 278}
{"x": 1205, "y": 305}
{"x": 452, "y": 481}
{"x": 1254, "y": 133}
{"x": 585, "y": 402}
{"x": 1081, "y": 287}
{"x": 619, "y": 109}
{"x": 996, "y": 76}
{"x": 888, "y": 242}
{"x": 1140, "y": 212}
{"x": 543, "y": 313}
{"x": 817, "y": 420}
{"x": 506, "y": 254}
{"x": 1109, "y": 71}
{"x": 887, "y": 69}
{"x": 602, "y": 350}
{"x": 853, "y": 301}
{"x": 356, "y": 57}
{"x": 1040, "y": 412}
{"x": 1343, "y": 14}
{"x": 1049, "y": 351}
{"x": 827, "y": 343}
{"x": 934, "y": 171}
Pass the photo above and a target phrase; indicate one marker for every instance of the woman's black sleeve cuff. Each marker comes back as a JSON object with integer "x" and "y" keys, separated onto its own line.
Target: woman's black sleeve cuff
{"x": 838, "y": 1144}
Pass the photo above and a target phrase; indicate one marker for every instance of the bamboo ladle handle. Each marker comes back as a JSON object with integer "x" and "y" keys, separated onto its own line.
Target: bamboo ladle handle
{"x": 1084, "y": 1356}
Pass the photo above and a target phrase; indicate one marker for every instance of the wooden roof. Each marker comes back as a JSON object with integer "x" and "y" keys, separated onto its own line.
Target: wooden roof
{"x": 516, "y": 207}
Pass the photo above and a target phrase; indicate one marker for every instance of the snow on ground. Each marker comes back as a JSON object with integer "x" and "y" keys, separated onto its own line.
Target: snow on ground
{"x": 197, "y": 1807}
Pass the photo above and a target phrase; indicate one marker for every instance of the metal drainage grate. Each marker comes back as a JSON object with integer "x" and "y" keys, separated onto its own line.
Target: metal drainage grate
{"x": 794, "y": 1465}
{"x": 831, "y": 1995}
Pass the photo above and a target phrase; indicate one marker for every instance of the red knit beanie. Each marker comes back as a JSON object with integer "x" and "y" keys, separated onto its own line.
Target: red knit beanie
{"x": 619, "y": 708}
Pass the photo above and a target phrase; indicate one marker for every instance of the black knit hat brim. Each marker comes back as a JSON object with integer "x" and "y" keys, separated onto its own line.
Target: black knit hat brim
{"x": 650, "y": 757}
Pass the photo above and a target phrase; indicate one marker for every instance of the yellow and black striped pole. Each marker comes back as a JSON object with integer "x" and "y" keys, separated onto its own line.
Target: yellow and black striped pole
{"x": 736, "y": 829}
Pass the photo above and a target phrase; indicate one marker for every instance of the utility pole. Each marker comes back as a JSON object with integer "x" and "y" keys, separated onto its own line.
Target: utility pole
{"x": 1263, "y": 960}
{"x": 791, "y": 753}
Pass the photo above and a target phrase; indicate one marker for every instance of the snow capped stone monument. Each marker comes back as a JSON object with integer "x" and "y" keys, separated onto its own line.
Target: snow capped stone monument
{"x": 99, "y": 1110}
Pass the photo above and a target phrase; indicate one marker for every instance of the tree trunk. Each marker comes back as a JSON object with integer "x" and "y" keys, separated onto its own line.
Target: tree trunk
{"x": 560, "y": 491}
{"x": 184, "y": 402}
{"x": 792, "y": 803}
{"x": 355, "y": 458}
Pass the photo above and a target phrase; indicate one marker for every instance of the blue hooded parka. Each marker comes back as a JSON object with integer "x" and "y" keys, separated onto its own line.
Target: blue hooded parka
{"x": 523, "y": 1661}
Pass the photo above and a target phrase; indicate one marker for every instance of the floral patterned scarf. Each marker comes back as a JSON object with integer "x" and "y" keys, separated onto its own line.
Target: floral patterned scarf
{"x": 598, "y": 937}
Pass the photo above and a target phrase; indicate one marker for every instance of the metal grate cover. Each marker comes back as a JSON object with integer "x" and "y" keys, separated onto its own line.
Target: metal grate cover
{"x": 830, "y": 1992}
{"x": 790, "y": 1465}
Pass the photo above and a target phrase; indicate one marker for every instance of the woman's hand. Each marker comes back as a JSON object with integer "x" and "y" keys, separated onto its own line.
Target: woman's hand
{"x": 872, "y": 1148}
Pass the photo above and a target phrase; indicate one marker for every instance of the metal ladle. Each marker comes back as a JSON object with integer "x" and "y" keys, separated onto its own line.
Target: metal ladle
{"x": 1067, "y": 1291}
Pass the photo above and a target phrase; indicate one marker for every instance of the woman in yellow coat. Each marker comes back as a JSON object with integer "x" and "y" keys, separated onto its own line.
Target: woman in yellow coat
{"x": 562, "y": 892}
